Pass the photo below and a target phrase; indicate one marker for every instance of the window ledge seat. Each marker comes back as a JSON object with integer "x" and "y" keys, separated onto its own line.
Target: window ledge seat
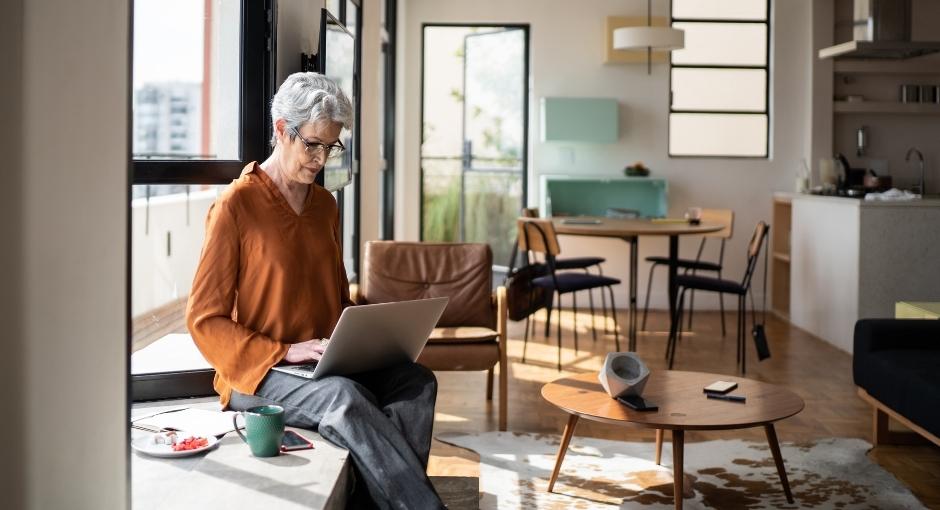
{"x": 230, "y": 477}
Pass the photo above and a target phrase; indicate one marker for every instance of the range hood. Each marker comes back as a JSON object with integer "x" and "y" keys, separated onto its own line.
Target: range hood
{"x": 881, "y": 29}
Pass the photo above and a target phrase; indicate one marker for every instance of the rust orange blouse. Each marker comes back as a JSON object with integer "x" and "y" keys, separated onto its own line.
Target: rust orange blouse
{"x": 267, "y": 277}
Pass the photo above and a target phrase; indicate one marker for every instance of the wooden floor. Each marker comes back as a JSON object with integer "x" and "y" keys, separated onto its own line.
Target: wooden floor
{"x": 818, "y": 372}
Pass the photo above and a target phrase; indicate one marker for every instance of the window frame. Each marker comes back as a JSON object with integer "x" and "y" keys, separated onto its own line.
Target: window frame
{"x": 252, "y": 142}
{"x": 389, "y": 56}
{"x": 257, "y": 87}
{"x": 255, "y": 68}
{"x": 767, "y": 85}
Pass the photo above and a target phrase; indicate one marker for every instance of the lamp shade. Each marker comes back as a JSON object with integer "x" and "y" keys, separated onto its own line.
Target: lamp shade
{"x": 657, "y": 38}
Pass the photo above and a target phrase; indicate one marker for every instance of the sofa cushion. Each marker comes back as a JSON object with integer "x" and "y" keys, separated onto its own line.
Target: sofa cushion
{"x": 906, "y": 380}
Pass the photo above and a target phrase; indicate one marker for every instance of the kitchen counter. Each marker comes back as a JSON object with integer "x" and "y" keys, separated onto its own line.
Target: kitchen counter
{"x": 861, "y": 202}
{"x": 853, "y": 259}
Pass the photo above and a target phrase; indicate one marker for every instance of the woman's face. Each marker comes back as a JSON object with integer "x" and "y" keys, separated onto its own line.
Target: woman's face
{"x": 299, "y": 163}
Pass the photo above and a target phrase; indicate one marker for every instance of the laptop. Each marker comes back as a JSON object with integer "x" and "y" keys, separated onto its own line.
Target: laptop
{"x": 371, "y": 337}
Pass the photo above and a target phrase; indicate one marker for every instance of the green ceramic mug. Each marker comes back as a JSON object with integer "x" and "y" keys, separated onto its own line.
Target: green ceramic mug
{"x": 264, "y": 428}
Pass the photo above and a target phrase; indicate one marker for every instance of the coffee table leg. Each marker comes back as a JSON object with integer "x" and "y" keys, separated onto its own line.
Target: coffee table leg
{"x": 678, "y": 442}
{"x": 562, "y": 449}
{"x": 659, "y": 445}
{"x": 778, "y": 459}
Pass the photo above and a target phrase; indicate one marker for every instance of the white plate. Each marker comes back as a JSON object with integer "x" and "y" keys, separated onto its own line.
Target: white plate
{"x": 144, "y": 444}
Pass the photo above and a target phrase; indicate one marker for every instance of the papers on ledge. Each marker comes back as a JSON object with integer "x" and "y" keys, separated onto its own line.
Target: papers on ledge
{"x": 214, "y": 423}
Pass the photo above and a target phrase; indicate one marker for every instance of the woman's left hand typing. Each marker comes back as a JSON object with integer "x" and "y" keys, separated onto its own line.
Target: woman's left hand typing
{"x": 311, "y": 350}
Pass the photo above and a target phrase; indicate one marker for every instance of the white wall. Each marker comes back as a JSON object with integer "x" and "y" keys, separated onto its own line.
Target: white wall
{"x": 70, "y": 252}
{"x": 566, "y": 60}
{"x": 369, "y": 161}
{"x": 158, "y": 278}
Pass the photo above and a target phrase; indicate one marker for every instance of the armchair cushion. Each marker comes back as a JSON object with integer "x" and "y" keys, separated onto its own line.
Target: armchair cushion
{"x": 396, "y": 271}
{"x": 462, "y": 335}
{"x": 471, "y": 357}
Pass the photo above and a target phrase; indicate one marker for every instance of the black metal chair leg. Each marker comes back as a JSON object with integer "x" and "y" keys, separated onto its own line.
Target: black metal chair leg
{"x": 548, "y": 318}
{"x": 691, "y": 304}
{"x": 574, "y": 310}
{"x": 593, "y": 317}
{"x": 738, "y": 332}
{"x": 613, "y": 312}
{"x": 649, "y": 288}
{"x": 525, "y": 339}
{"x": 603, "y": 302}
{"x": 721, "y": 304}
{"x": 558, "y": 329}
{"x": 744, "y": 335}
{"x": 680, "y": 304}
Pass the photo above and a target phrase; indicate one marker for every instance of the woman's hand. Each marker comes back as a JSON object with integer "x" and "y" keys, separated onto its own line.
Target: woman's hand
{"x": 311, "y": 350}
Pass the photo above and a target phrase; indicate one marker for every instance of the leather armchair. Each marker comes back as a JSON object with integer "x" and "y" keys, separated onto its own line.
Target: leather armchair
{"x": 471, "y": 334}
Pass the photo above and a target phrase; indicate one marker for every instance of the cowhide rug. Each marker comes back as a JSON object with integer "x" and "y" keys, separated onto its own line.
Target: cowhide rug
{"x": 598, "y": 473}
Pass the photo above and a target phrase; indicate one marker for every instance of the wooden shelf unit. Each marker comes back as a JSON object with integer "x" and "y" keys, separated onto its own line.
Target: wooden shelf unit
{"x": 868, "y": 66}
{"x": 780, "y": 264}
{"x": 885, "y": 107}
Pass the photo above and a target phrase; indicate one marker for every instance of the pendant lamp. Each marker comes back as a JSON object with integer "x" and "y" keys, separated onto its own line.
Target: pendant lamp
{"x": 649, "y": 37}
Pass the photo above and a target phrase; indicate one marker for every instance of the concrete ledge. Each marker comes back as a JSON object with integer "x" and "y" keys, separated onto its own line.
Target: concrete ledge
{"x": 230, "y": 477}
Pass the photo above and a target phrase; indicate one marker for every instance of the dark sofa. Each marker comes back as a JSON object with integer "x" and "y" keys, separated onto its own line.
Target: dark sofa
{"x": 896, "y": 366}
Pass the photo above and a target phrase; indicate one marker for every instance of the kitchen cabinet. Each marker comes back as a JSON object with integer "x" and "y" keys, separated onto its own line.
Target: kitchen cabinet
{"x": 853, "y": 259}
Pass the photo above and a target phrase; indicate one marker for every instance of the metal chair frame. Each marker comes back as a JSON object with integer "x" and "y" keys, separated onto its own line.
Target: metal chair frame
{"x": 761, "y": 231}
{"x": 550, "y": 263}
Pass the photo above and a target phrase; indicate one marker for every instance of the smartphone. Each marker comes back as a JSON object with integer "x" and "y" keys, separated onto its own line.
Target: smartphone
{"x": 637, "y": 403}
{"x": 294, "y": 441}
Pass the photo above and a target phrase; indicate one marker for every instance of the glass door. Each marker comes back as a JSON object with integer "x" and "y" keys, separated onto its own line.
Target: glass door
{"x": 473, "y": 153}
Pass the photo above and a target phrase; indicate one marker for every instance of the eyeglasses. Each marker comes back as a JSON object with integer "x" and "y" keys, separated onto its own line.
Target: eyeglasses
{"x": 333, "y": 151}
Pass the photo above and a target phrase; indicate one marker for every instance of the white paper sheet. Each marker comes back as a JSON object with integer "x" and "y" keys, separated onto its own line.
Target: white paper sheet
{"x": 206, "y": 422}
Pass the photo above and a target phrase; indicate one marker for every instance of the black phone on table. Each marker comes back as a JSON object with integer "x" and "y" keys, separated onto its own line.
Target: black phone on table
{"x": 294, "y": 441}
{"x": 637, "y": 403}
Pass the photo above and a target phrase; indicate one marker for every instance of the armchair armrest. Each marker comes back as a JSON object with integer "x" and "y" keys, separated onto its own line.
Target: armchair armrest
{"x": 354, "y": 293}
{"x": 880, "y": 334}
{"x": 502, "y": 313}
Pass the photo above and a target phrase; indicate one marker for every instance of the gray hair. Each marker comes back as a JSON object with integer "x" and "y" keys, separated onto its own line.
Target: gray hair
{"x": 310, "y": 97}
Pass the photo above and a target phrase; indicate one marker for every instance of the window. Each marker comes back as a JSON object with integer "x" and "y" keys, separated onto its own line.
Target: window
{"x": 720, "y": 80}
{"x": 198, "y": 116}
{"x": 348, "y": 198}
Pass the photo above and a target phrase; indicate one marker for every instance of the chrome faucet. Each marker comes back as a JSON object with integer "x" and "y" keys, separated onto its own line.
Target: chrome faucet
{"x": 920, "y": 156}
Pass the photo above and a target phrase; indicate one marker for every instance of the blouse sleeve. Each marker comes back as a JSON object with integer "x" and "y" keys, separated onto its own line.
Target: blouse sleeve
{"x": 240, "y": 356}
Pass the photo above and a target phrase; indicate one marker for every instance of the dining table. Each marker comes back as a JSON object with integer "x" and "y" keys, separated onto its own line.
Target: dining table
{"x": 630, "y": 230}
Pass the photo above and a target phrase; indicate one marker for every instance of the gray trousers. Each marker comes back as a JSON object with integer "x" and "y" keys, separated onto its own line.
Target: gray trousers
{"x": 384, "y": 418}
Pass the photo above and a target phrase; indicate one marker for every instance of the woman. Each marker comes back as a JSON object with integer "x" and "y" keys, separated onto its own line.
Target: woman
{"x": 271, "y": 282}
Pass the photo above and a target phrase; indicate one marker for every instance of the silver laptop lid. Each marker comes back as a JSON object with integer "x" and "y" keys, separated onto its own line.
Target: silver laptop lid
{"x": 370, "y": 337}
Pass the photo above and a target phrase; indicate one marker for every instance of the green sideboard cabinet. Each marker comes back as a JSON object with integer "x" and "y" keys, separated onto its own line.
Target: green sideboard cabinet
{"x": 562, "y": 195}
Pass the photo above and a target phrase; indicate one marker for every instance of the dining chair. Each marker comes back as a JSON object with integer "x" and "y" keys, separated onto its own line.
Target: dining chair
{"x": 538, "y": 236}
{"x": 723, "y": 217}
{"x": 471, "y": 334}
{"x": 687, "y": 282}
{"x": 574, "y": 263}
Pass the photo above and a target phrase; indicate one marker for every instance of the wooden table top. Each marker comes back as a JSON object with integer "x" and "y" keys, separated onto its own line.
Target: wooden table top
{"x": 623, "y": 227}
{"x": 682, "y": 404}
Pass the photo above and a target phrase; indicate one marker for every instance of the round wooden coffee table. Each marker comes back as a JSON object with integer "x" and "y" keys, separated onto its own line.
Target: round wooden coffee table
{"x": 682, "y": 406}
